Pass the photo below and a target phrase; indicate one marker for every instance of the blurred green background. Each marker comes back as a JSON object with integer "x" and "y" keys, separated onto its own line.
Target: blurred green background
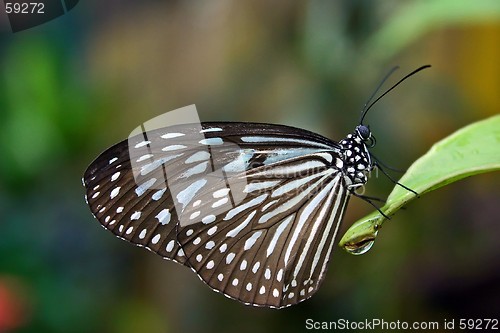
{"x": 76, "y": 85}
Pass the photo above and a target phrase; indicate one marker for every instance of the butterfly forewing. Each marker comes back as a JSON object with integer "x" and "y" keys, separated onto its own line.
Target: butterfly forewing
{"x": 252, "y": 208}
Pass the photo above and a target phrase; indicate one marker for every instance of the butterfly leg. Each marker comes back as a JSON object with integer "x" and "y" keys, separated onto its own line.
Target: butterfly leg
{"x": 378, "y": 165}
{"x": 370, "y": 201}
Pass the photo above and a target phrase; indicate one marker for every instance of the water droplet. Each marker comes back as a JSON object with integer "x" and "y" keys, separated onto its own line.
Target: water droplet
{"x": 361, "y": 249}
{"x": 362, "y": 245}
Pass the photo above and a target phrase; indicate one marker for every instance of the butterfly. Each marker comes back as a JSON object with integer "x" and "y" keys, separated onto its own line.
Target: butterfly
{"x": 252, "y": 208}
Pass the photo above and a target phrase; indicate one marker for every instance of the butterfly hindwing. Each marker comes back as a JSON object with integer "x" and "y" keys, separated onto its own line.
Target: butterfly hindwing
{"x": 272, "y": 248}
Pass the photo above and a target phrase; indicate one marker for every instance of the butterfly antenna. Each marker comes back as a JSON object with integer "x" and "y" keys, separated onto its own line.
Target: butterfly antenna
{"x": 366, "y": 109}
{"x": 363, "y": 111}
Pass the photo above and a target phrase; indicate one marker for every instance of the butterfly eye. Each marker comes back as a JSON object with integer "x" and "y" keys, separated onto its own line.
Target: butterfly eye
{"x": 364, "y": 132}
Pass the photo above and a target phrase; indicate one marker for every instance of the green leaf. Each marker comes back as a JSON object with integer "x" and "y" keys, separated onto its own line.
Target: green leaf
{"x": 469, "y": 151}
{"x": 417, "y": 18}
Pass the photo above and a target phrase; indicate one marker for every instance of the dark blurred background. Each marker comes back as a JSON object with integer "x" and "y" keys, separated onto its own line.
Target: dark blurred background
{"x": 74, "y": 86}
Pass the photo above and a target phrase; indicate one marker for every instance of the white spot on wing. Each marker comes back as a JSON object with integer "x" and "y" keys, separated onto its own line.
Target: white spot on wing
{"x": 185, "y": 196}
{"x": 172, "y": 135}
{"x": 195, "y": 170}
{"x": 277, "y": 234}
{"x": 198, "y": 157}
{"x": 163, "y": 216}
{"x": 208, "y": 219}
{"x": 157, "y": 195}
{"x": 326, "y": 156}
{"x": 156, "y": 239}
{"x": 279, "y": 276}
{"x": 220, "y": 202}
{"x": 144, "y": 157}
{"x": 155, "y": 164}
{"x": 251, "y": 241}
{"x": 173, "y": 147}
{"x": 135, "y": 216}
{"x": 212, "y": 230}
{"x": 211, "y": 141}
{"x": 241, "y": 226}
{"x": 141, "y": 189}
{"x": 114, "y": 193}
{"x": 223, "y": 248}
{"x": 221, "y": 193}
{"x": 338, "y": 163}
{"x": 142, "y": 144}
{"x": 230, "y": 258}
{"x": 170, "y": 245}
{"x": 212, "y": 129}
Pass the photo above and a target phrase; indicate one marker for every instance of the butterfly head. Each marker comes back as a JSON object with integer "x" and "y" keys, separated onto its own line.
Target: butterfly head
{"x": 365, "y": 135}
